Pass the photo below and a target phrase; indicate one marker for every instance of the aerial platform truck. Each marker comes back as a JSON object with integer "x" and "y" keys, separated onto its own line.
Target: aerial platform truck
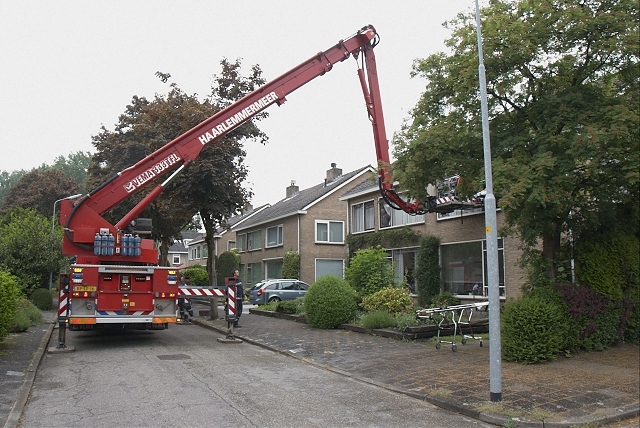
{"x": 115, "y": 280}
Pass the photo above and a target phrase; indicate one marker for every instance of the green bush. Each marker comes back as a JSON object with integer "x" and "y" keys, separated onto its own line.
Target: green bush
{"x": 631, "y": 316}
{"x": 406, "y": 320}
{"x": 393, "y": 300}
{"x": 290, "y": 306}
{"x": 377, "y": 319}
{"x": 197, "y": 274}
{"x": 609, "y": 266}
{"x": 533, "y": 330}
{"x": 596, "y": 321}
{"x": 369, "y": 271}
{"x": 330, "y": 302}
{"x": 42, "y": 299}
{"x": 291, "y": 265}
{"x": 27, "y": 314}
{"x": 427, "y": 272}
{"x": 9, "y": 294}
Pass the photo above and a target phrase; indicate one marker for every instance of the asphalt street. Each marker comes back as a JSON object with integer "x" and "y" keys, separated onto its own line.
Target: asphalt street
{"x": 185, "y": 377}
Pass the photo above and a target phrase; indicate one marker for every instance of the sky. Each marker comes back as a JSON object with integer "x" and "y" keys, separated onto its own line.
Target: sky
{"x": 67, "y": 68}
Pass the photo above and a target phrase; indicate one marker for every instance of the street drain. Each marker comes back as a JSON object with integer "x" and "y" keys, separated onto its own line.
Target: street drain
{"x": 174, "y": 357}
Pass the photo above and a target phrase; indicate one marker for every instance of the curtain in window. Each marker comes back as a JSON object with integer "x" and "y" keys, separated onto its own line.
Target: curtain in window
{"x": 368, "y": 216}
{"x": 357, "y": 218}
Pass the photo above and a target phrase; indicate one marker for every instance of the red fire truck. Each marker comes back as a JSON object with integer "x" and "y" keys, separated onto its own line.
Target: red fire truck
{"x": 116, "y": 280}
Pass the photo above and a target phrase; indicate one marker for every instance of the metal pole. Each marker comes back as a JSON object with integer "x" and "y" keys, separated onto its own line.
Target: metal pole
{"x": 493, "y": 276}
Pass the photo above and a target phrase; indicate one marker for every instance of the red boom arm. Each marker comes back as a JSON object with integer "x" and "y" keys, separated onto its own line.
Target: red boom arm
{"x": 82, "y": 219}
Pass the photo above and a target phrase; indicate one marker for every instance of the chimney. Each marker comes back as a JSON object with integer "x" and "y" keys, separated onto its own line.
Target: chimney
{"x": 292, "y": 189}
{"x": 333, "y": 173}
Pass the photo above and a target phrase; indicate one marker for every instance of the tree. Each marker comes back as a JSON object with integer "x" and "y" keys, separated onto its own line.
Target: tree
{"x": 8, "y": 179}
{"x": 210, "y": 186}
{"x": 215, "y": 181}
{"x": 563, "y": 85}
{"x": 39, "y": 189}
{"x": 75, "y": 165}
{"x": 28, "y": 249}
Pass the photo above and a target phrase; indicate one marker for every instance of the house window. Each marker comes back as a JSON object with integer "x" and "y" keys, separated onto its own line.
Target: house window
{"x": 274, "y": 236}
{"x": 254, "y": 240}
{"x": 362, "y": 217}
{"x": 273, "y": 269}
{"x": 326, "y": 267}
{"x": 330, "y": 231}
{"x": 254, "y": 274}
{"x": 464, "y": 268}
{"x": 176, "y": 259}
{"x": 459, "y": 213}
{"x": 241, "y": 242}
{"x": 205, "y": 251}
{"x": 404, "y": 264}
{"x": 390, "y": 217}
{"x": 195, "y": 252}
{"x": 231, "y": 245}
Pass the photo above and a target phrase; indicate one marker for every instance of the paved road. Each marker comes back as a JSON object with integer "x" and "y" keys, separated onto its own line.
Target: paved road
{"x": 185, "y": 377}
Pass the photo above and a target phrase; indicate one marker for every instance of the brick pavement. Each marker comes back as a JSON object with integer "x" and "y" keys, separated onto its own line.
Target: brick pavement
{"x": 589, "y": 388}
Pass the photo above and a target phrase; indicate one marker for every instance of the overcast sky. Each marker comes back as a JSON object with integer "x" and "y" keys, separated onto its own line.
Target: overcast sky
{"x": 69, "y": 67}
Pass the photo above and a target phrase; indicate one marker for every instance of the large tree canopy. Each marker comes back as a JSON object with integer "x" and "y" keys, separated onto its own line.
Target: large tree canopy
{"x": 562, "y": 83}
{"x": 211, "y": 185}
{"x": 39, "y": 189}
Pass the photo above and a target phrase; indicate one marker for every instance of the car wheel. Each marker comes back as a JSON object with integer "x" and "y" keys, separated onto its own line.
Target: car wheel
{"x": 274, "y": 299}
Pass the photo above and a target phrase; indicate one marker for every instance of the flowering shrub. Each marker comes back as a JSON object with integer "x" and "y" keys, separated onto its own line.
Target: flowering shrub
{"x": 393, "y": 300}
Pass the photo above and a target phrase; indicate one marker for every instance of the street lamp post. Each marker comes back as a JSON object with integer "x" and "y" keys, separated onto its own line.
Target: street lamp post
{"x": 493, "y": 277}
{"x": 53, "y": 226}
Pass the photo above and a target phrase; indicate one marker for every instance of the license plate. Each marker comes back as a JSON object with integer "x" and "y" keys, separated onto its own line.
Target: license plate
{"x": 85, "y": 288}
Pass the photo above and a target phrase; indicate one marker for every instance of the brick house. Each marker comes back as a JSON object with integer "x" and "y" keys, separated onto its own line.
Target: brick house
{"x": 311, "y": 222}
{"x": 462, "y": 243}
{"x": 224, "y": 238}
{"x": 179, "y": 252}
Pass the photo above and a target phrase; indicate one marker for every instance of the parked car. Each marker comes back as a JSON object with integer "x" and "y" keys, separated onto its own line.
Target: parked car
{"x": 271, "y": 290}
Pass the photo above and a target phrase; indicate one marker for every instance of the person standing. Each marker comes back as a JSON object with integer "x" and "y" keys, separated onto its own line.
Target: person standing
{"x": 184, "y": 304}
{"x": 239, "y": 297}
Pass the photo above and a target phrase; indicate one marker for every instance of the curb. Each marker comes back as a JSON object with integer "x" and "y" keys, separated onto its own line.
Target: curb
{"x": 23, "y": 394}
{"x": 491, "y": 418}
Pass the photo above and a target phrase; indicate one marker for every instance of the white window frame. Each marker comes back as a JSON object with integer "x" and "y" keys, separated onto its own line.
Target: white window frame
{"x": 175, "y": 259}
{"x": 279, "y": 236}
{"x": 361, "y": 216}
{"x": 231, "y": 245}
{"x": 195, "y": 252}
{"x": 328, "y": 224}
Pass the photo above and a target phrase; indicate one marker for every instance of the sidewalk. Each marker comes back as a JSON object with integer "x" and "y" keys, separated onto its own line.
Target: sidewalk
{"x": 20, "y": 356}
{"x": 594, "y": 388}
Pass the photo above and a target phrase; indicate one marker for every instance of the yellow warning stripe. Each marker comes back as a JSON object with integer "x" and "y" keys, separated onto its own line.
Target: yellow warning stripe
{"x": 162, "y": 320}
{"x": 82, "y": 320}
